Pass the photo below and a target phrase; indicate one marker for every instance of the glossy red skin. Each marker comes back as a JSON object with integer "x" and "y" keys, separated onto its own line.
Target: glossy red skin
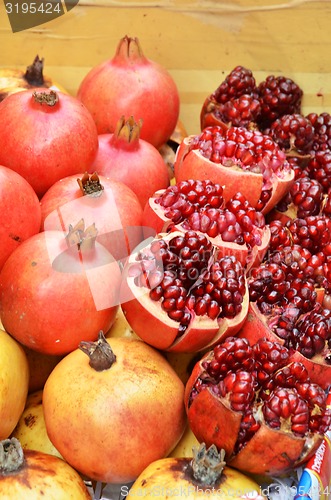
{"x": 119, "y": 224}
{"x": 20, "y": 212}
{"x": 50, "y": 302}
{"x": 138, "y": 164}
{"x": 269, "y": 452}
{"x": 46, "y": 143}
{"x": 130, "y": 84}
{"x": 255, "y": 327}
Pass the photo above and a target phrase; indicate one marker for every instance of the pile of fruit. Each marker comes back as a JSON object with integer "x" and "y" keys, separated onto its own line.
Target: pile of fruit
{"x": 160, "y": 290}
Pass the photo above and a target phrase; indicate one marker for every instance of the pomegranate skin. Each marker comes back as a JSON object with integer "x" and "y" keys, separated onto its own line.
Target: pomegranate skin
{"x": 50, "y": 299}
{"x": 45, "y": 143}
{"x": 139, "y": 165}
{"x": 20, "y": 211}
{"x": 117, "y": 212}
{"x": 191, "y": 164}
{"x": 131, "y": 84}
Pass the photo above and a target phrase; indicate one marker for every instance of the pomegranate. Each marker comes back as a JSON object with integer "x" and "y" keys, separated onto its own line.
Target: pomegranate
{"x": 234, "y": 102}
{"x": 131, "y": 84}
{"x": 124, "y": 157}
{"x": 179, "y": 295}
{"x": 33, "y": 474}
{"x": 241, "y": 160}
{"x": 125, "y": 404}
{"x": 261, "y": 408}
{"x": 21, "y": 214}
{"x": 111, "y": 204}
{"x": 205, "y": 475}
{"x": 284, "y": 306}
{"x": 46, "y": 128}
{"x": 56, "y": 290}
{"x": 235, "y": 227}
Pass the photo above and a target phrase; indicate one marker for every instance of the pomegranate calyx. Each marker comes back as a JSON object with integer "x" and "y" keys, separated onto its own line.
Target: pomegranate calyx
{"x": 50, "y": 98}
{"x": 83, "y": 238}
{"x": 99, "y": 352}
{"x": 207, "y": 464}
{"x": 128, "y": 130}
{"x": 34, "y": 73}
{"x": 90, "y": 185}
{"x": 129, "y": 50}
{"x": 11, "y": 455}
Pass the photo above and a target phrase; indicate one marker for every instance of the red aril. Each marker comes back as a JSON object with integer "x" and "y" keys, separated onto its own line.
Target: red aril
{"x": 56, "y": 290}
{"x": 131, "y": 84}
{"x": 20, "y": 212}
{"x": 179, "y": 295}
{"x": 125, "y": 157}
{"x": 241, "y": 160}
{"x": 252, "y": 401}
{"x": 235, "y": 227}
{"x": 46, "y": 136}
{"x": 110, "y": 204}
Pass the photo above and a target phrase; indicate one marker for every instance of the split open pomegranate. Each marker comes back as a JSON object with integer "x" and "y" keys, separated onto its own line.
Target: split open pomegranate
{"x": 261, "y": 408}
{"x": 239, "y": 159}
{"x": 179, "y": 295}
{"x": 235, "y": 227}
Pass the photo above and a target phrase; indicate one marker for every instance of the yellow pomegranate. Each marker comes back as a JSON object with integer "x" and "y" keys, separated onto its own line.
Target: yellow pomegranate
{"x": 33, "y": 475}
{"x": 205, "y": 476}
{"x": 31, "y": 429}
{"x": 14, "y": 372}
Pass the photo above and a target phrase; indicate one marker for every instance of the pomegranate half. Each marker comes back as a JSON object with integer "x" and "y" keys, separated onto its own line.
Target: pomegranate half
{"x": 179, "y": 295}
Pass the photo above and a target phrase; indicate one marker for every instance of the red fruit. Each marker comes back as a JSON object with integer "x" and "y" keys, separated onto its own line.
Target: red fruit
{"x": 56, "y": 290}
{"x": 240, "y": 160}
{"x": 124, "y": 157}
{"x": 110, "y": 204}
{"x": 179, "y": 295}
{"x": 235, "y": 228}
{"x": 21, "y": 214}
{"x": 283, "y": 307}
{"x": 130, "y": 84}
{"x": 266, "y": 413}
{"x": 319, "y": 168}
{"x": 322, "y": 128}
{"x": 46, "y": 136}
{"x": 278, "y": 96}
{"x": 233, "y": 101}
{"x": 293, "y": 133}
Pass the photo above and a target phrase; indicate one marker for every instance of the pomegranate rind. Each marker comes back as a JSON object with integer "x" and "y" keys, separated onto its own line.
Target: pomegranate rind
{"x": 269, "y": 452}
{"x": 191, "y": 164}
{"x": 256, "y": 327}
{"x": 212, "y": 422}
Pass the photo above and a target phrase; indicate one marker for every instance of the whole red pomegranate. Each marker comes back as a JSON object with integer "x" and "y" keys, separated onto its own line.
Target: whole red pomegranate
{"x": 179, "y": 295}
{"x": 21, "y": 214}
{"x": 131, "y": 84}
{"x": 241, "y": 160}
{"x": 45, "y": 136}
{"x": 260, "y": 407}
{"x": 125, "y": 157}
{"x": 56, "y": 290}
{"x": 110, "y": 204}
{"x": 235, "y": 227}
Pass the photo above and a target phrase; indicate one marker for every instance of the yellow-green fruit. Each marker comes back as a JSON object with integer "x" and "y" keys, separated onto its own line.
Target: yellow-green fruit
{"x": 186, "y": 444}
{"x": 171, "y": 478}
{"x": 14, "y": 378}
{"x": 121, "y": 327}
{"x": 31, "y": 428}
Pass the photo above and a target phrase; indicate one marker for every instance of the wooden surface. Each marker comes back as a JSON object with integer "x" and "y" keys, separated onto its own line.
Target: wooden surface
{"x": 199, "y": 42}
